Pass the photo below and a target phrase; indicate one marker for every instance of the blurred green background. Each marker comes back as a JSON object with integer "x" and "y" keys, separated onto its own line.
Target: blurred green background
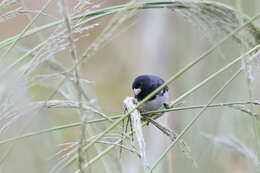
{"x": 153, "y": 41}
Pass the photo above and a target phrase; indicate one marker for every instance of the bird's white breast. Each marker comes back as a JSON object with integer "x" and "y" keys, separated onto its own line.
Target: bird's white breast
{"x": 155, "y": 103}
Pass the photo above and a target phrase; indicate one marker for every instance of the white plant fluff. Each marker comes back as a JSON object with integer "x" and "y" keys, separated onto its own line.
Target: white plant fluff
{"x": 130, "y": 104}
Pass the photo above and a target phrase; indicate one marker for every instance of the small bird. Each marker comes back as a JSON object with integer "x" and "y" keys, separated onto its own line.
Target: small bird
{"x": 143, "y": 85}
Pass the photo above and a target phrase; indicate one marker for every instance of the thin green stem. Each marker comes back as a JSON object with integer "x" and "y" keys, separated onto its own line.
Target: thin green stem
{"x": 74, "y": 56}
{"x": 201, "y": 106}
{"x": 213, "y": 76}
{"x": 114, "y": 117}
{"x": 40, "y": 132}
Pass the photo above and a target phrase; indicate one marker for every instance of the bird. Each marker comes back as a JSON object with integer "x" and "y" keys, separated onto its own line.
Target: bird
{"x": 143, "y": 85}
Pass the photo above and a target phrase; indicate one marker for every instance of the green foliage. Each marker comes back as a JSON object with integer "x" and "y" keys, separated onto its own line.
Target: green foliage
{"x": 52, "y": 80}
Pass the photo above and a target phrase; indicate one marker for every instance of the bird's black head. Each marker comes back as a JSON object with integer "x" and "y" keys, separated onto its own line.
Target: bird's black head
{"x": 145, "y": 84}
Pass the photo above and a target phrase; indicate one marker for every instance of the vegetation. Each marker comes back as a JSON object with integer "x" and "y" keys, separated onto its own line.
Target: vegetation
{"x": 67, "y": 66}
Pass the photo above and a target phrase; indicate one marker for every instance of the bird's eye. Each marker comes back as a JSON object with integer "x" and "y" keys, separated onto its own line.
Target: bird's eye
{"x": 137, "y": 91}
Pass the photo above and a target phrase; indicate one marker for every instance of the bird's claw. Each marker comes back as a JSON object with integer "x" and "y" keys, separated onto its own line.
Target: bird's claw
{"x": 166, "y": 106}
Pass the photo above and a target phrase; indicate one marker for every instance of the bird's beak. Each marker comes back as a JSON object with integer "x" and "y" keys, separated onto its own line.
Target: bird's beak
{"x": 137, "y": 91}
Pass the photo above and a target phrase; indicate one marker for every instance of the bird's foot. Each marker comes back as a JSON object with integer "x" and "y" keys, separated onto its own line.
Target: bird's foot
{"x": 166, "y": 106}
